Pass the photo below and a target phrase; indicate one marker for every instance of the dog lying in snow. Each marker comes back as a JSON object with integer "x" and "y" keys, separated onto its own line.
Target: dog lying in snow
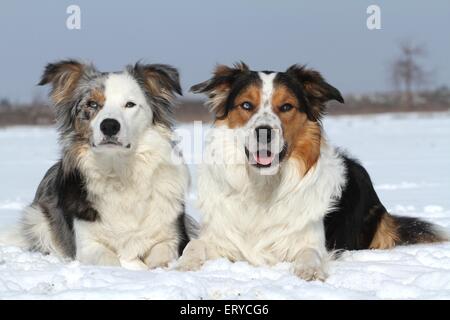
{"x": 276, "y": 190}
{"x": 117, "y": 195}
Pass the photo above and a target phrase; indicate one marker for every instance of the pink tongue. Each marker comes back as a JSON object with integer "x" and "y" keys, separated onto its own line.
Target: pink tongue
{"x": 264, "y": 160}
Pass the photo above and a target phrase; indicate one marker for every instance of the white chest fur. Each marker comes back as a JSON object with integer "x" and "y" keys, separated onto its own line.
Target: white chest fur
{"x": 138, "y": 197}
{"x": 265, "y": 219}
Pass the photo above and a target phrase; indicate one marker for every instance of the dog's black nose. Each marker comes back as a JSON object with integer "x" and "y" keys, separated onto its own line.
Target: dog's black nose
{"x": 110, "y": 127}
{"x": 263, "y": 134}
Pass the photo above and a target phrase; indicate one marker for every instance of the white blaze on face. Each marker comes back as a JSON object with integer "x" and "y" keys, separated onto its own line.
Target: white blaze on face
{"x": 120, "y": 89}
{"x": 262, "y": 151}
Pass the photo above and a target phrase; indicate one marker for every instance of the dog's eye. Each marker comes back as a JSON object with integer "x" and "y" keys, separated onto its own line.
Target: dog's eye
{"x": 286, "y": 107}
{"x": 92, "y": 104}
{"x": 130, "y": 104}
{"x": 247, "y": 106}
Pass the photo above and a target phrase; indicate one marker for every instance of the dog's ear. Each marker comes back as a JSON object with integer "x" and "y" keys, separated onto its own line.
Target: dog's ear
{"x": 159, "y": 80}
{"x": 218, "y": 87}
{"x": 316, "y": 89}
{"x": 160, "y": 83}
{"x": 63, "y": 76}
{"x": 223, "y": 78}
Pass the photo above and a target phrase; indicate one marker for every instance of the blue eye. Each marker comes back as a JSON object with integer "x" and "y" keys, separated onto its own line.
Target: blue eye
{"x": 286, "y": 107}
{"x": 92, "y": 104}
{"x": 130, "y": 104}
{"x": 247, "y": 106}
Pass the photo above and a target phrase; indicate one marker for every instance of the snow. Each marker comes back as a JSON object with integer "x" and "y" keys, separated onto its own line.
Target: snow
{"x": 408, "y": 157}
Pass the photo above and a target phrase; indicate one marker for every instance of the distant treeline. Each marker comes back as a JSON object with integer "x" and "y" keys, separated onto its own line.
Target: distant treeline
{"x": 40, "y": 113}
{"x": 421, "y": 101}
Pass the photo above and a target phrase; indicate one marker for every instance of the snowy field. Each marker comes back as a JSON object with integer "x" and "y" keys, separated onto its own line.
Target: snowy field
{"x": 408, "y": 157}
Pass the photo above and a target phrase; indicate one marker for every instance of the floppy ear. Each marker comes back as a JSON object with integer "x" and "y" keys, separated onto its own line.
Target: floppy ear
{"x": 64, "y": 76}
{"x": 160, "y": 80}
{"x": 218, "y": 87}
{"x": 316, "y": 89}
{"x": 160, "y": 83}
{"x": 223, "y": 78}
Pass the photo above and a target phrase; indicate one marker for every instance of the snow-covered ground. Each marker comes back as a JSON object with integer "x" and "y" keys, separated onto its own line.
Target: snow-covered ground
{"x": 408, "y": 157}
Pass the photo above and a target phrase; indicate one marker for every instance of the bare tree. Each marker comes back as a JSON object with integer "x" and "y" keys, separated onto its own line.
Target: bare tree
{"x": 407, "y": 72}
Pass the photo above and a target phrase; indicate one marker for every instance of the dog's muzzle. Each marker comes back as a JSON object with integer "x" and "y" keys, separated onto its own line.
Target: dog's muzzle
{"x": 110, "y": 129}
{"x": 265, "y": 147}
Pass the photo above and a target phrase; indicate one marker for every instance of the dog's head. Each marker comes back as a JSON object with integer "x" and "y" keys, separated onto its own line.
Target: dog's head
{"x": 280, "y": 112}
{"x": 109, "y": 112}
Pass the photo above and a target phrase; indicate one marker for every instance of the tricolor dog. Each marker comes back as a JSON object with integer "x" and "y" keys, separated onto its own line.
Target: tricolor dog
{"x": 281, "y": 192}
{"x": 117, "y": 195}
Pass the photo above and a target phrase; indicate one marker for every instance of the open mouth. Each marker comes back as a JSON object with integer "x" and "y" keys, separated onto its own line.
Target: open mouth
{"x": 264, "y": 158}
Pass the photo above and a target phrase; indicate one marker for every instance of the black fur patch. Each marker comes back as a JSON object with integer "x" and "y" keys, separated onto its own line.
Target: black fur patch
{"x": 316, "y": 89}
{"x": 72, "y": 197}
{"x": 62, "y": 197}
{"x": 293, "y": 85}
{"x": 183, "y": 237}
{"x": 354, "y": 222}
{"x": 241, "y": 82}
{"x": 413, "y": 230}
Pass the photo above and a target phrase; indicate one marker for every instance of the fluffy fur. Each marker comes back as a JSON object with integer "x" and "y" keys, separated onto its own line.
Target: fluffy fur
{"x": 264, "y": 203}
{"x": 116, "y": 197}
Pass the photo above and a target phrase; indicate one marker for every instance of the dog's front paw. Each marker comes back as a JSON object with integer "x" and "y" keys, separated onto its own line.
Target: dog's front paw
{"x": 133, "y": 264}
{"x": 189, "y": 264}
{"x": 160, "y": 256}
{"x": 194, "y": 256}
{"x": 309, "y": 266}
{"x": 310, "y": 273}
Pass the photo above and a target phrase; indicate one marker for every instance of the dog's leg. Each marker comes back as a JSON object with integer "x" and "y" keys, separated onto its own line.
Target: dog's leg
{"x": 97, "y": 254}
{"x": 160, "y": 255}
{"x": 133, "y": 264}
{"x": 309, "y": 265}
{"x": 310, "y": 261}
{"x": 194, "y": 256}
{"x": 129, "y": 257}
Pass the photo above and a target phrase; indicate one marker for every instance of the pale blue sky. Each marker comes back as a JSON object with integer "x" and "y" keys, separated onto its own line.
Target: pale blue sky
{"x": 194, "y": 35}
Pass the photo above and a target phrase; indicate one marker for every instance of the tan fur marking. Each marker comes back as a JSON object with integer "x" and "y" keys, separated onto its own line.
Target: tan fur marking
{"x": 82, "y": 127}
{"x": 98, "y": 96}
{"x": 307, "y": 145}
{"x": 302, "y": 135}
{"x": 386, "y": 235}
{"x": 74, "y": 155}
{"x": 219, "y": 92}
{"x": 155, "y": 86}
{"x": 152, "y": 84}
{"x": 67, "y": 83}
{"x": 222, "y": 70}
{"x": 281, "y": 96}
{"x": 83, "y": 131}
{"x": 238, "y": 117}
